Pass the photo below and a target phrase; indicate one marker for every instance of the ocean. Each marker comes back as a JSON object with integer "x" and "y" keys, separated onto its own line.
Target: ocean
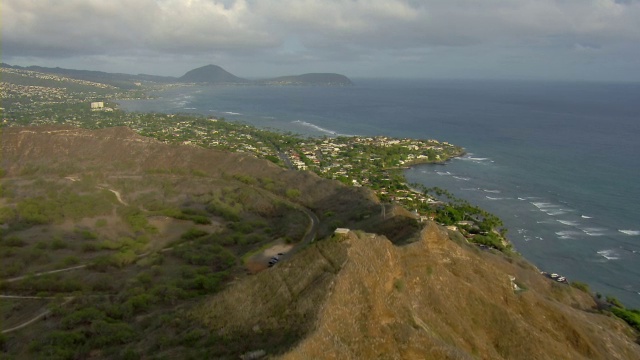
{"x": 559, "y": 162}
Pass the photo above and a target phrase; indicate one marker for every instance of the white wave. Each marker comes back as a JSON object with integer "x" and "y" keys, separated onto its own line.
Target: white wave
{"x": 609, "y": 254}
{"x": 586, "y": 217}
{"x": 443, "y": 173}
{"x": 567, "y": 234}
{"x": 470, "y": 157}
{"x": 550, "y": 209}
{"x": 462, "y": 178}
{"x": 521, "y": 199}
{"x": 568, "y": 223}
{"x": 189, "y": 108}
{"x": 231, "y": 113}
{"x": 316, "y": 127}
{"x": 630, "y": 232}
{"x": 494, "y": 198}
{"x": 593, "y": 233}
{"x": 542, "y": 205}
{"x": 492, "y": 191}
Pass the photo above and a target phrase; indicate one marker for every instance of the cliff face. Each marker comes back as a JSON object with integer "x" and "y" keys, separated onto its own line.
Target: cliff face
{"x": 364, "y": 298}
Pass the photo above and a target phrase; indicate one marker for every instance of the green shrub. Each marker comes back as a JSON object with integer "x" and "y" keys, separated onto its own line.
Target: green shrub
{"x": 84, "y": 316}
{"x": 614, "y": 301}
{"x": 57, "y": 243}
{"x": 398, "y": 284}
{"x": 13, "y": 241}
{"x": 70, "y": 261}
{"x": 632, "y": 317}
{"x": 87, "y": 234}
{"x": 7, "y": 214}
{"x": 581, "y": 286}
{"x": 292, "y": 193}
{"x": 89, "y": 247}
{"x": 110, "y": 333}
{"x": 193, "y": 234}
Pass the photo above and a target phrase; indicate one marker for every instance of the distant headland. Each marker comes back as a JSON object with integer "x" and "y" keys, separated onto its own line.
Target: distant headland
{"x": 207, "y": 75}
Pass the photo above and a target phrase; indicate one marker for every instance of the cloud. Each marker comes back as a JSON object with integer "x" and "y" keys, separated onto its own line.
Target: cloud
{"x": 322, "y": 30}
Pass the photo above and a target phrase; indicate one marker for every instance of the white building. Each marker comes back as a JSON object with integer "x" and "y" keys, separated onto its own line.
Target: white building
{"x": 97, "y": 105}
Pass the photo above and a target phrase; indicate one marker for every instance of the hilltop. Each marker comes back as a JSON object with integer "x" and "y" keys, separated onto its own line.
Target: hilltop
{"x": 361, "y": 297}
{"x": 210, "y": 74}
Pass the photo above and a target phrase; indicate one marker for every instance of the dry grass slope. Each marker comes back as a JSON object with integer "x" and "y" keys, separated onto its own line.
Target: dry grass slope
{"x": 436, "y": 299}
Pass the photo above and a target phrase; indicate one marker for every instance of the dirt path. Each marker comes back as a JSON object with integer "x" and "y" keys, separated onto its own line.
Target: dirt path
{"x": 116, "y": 193}
{"x": 35, "y": 318}
{"x": 45, "y": 273}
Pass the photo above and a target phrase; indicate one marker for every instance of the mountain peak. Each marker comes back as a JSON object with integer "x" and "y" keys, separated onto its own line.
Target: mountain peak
{"x": 210, "y": 74}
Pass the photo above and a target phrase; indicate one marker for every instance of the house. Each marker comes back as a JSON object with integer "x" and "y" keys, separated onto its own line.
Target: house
{"x": 97, "y": 105}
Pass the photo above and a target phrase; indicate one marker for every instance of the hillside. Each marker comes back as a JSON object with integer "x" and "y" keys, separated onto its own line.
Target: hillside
{"x": 210, "y": 74}
{"x": 364, "y": 298}
{"x": 114, "y": 245}
{"x": 123, "y": 81}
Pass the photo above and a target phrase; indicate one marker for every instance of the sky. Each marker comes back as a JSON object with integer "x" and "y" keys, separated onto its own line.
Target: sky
{"x": 591, "y": 40}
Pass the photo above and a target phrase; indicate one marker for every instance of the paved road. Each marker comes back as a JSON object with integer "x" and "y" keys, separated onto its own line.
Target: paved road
{"x": 310, "y": 235}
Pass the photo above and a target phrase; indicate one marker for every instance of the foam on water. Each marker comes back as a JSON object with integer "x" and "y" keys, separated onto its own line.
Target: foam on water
{"x": 231, "y": 113}
{"x": 630, "y": 232}
{"x": 470, "y": 157}
{"x": 568, "y": 222}
{"x": 493, "y": 198}
{"x": 550, "y": 209}
{"x": 609, "y": 254}
{"x": 462, "y": 178}
{"x": 318, "y": 128}
{"x": 568, "y": 234}
{"x": 593, "y": 231}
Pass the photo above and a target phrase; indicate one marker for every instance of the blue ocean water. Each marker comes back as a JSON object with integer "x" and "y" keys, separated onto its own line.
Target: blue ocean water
{"x": 558, "y": 162}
